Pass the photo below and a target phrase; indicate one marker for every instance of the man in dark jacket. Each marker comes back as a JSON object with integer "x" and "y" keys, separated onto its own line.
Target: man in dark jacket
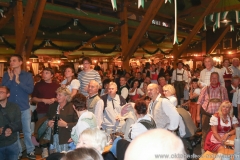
{"x": 10, "y": 124}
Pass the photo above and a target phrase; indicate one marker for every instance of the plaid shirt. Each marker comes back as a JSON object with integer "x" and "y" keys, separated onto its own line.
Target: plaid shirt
{"x": 214, "y": 93}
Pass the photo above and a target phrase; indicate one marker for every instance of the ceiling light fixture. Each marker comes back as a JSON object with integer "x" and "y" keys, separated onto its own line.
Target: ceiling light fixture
{"x": 33, "y": 56}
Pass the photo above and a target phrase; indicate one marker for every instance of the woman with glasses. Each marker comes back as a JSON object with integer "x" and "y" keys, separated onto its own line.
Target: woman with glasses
{"x": 169, "y": 92}
{"x": 62, "y": 118}
{"x": 70, "y": 82}
{"x": 223, "y": 125}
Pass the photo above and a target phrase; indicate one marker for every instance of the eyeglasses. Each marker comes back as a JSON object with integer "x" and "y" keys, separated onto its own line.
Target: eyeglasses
{"x": 165, "y": 90}
{"x": 86, "y": 63}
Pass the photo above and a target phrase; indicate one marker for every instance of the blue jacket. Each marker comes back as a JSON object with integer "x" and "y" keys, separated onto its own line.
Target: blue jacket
{"x": 19, "y": 93}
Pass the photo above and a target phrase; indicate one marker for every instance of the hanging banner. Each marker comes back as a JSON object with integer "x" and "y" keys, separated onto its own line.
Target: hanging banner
{"x": 175, "y": 40}
{"x": 140, "y": 3}
{"x": 114, "y": 5}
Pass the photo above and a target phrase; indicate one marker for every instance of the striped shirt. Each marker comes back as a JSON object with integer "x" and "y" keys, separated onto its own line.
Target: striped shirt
{"x": 85, "y": 77}
{"x": 214, "y": 93}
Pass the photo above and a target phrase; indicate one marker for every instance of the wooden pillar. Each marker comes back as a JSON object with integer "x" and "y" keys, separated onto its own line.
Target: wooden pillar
{"x": 124, "y": 35}
{"x": 142, "y": 28}
{"x": 197, "y": 27}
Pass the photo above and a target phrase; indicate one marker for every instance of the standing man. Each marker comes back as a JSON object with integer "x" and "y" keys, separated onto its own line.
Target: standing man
{"x": 205, "y": 73}
{"x": 123, "y": 91}
{"x": 94, "y": 102}
{"x": 209, "y": 101}
{"x": 44, "y": 94}
{"x": 86, "y": 75}
{"x": 112, "y": 105}
{"x": 162, "y": 110}
{"x": 179, "y": 80}
{"x": 10, "y": 124}
{"x": 233, "y": 94}
{"x": 234, "y": 67}
{"x": 20, "y": 84}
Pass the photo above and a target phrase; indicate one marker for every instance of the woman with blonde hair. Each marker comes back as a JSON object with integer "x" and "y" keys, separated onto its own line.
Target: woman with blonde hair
{"x": 223, "y": 125}
{"x": 62, "y": 118}
{"x": 169, "y": 92}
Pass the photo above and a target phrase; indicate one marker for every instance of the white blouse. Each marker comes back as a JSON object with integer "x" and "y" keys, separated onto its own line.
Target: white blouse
{"x": 139, "y": 91}
{"x": 214, "y": 121}
{"x": 173, "y": 100}
{"x": 75, "y": 84}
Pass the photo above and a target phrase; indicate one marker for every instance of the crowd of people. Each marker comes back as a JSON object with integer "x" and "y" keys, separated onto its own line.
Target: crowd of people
{"x": 81, "y": 113}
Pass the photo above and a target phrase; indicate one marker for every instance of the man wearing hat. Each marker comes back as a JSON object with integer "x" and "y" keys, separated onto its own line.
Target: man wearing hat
{"x": 179, "y": 80}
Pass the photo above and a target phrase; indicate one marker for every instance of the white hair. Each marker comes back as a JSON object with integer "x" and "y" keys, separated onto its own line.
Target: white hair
{"x": 156, "y": 143}
{"x": 113, "y": 84}
{"x": 98, "y": 138}
{"x": 93, "y": 81}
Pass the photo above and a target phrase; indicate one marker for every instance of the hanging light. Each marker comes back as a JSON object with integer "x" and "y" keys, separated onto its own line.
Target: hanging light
{"x": 63, "y": 56}
{"x": 33, "y": 56}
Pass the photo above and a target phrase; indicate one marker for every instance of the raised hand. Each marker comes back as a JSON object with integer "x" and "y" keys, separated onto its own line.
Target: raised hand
{"x": 10, "y": 73}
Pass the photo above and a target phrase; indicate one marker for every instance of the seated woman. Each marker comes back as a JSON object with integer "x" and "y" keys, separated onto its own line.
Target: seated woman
{"x": 86, "y": 119}
{"x": 169, "y": 92}
{"x": 223, "y": 125}
{"x": 62, "y": 118}
{"x": 135, "y": 92}
{"x": 83, "y": 154}
{"x": 144, "y": 121}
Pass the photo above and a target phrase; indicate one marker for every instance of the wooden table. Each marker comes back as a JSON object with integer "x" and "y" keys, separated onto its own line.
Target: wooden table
{"x": 211, "y": 156}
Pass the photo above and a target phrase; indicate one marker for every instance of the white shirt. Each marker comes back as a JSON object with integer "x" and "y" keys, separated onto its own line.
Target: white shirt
{"x": 214, "y": 121}
{"x": 235, "y": 70}
{"x": 124, "y": 92}
{"x": 205, "y": 76}
{"x": 139, "y": 91}
{"x": 183, "y": 77}
{"x": 75, "y": 84}
{"x": 173, "y": 100}
{"x": 99, "y": 112}
{"x": 81, "y": 125}
{"x": 170, "y": 111}
{"x": 197, "y": 91}
{"x": 138, "y": 128}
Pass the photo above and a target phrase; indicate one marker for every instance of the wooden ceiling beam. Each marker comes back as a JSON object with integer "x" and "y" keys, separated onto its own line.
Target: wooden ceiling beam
{"x": 8, "y": 16}
{"x": 195, "y": 29}
{"x": 26, "y": 23}
{"x": 36, "y": 21}
{"x": 142, "y": 28}
{"x": 226, "y": 30}
{"x": 18, "y": 22}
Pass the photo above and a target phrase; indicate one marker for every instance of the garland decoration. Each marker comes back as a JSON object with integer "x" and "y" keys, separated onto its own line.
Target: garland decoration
{"x": 9, "y": 45}
{"x": 41, "y": 45}
{"x": 104, "y": 51}
{"x": 64, "y": 48}
{"x": 76, "y": 22}
{"x": 151, "y": 53}
{"x": 85, "y": 29}
{"x": 44, "y": 43}
{"x": 180, "y": 43}
{"x": 57, "y": 29}
{"x": 165, "y": 52}
{"x": 155, "y": 40}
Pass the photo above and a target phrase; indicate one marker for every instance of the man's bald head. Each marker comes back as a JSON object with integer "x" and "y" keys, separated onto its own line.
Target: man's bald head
{"x": 93, "y": 87}
{"x": 155, "y": 143}
{"x": 153, "y": 91}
